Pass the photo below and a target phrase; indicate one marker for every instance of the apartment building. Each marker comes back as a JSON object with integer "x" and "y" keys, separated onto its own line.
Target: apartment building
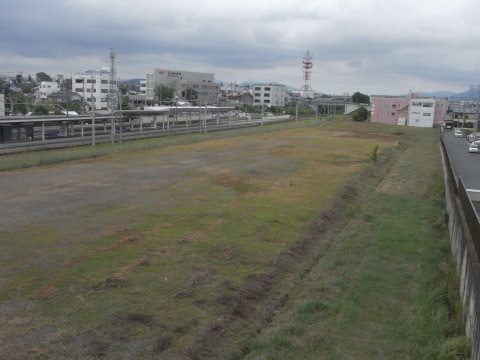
{"x": 269, "y": 94}
{"x": 207, "y": 91}
{"x": 408, "y": 110}
{"x": 93, "y": 84}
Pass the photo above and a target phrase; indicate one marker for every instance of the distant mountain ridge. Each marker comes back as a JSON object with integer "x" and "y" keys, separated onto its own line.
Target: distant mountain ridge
{"x": 448, "y": 94}
{"x": 132, "y": 81}
{"x": 439, "y": 94}
{"x": 468, "y": 94}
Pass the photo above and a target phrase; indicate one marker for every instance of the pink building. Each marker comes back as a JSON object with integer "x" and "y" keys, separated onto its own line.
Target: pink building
{"x": 408, "y": 110}
{"x": 392, "y": 110}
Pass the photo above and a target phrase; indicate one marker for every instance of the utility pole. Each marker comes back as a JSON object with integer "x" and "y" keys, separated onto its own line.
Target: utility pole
{"x": 66, "y": 98}
{"x": 83, "y": 83}
{"x": 119, "y": 95}
{"x": 113, "y": 95}
{"x": 476, "y": 91}
{"x": 93, "y": 115}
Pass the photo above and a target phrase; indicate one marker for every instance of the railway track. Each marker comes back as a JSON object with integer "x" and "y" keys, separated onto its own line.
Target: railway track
{"x": 144, "y": 133}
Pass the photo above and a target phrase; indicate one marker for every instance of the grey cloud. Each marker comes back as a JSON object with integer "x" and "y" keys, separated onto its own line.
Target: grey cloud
{"x": 361, "y": 39}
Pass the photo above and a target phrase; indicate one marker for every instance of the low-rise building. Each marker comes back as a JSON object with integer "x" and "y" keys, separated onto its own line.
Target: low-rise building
{"x": 64, "y": 96}
{"x": 409, "y": 110}
{"x": 269, "y": 94}
{"x": 202, "y": 84}
{"x": 44, "y": 89}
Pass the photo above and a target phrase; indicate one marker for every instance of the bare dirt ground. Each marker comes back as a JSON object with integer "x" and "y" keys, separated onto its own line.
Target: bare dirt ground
{"x": 73, "y": 205}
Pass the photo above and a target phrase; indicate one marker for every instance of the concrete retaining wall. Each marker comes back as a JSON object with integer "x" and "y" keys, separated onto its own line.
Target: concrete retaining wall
{"x": 464, "y": 250}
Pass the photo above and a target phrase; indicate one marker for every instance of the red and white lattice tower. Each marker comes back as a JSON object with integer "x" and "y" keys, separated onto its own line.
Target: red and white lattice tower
{"x": 307, "y": 71}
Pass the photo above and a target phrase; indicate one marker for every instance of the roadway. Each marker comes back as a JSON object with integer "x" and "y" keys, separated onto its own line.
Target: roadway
{"x": 465, "y": 165}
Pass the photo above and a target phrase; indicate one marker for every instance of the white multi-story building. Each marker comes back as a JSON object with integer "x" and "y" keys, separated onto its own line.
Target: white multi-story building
{"x": 96, "y": 82}
{"x": 179, "y": 81}
{"x": 421, "y": 112}
{"x": 46, "y": 88}
{"x": 269, "y": 94}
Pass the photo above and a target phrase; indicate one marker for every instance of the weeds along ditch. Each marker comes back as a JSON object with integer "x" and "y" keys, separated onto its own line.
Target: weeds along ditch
{"x": 386, "y": 288}
{"x": 192, "y": 247}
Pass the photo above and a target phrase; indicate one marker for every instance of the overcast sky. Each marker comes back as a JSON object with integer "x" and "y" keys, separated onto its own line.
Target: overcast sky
{"x": 371, "y": 46}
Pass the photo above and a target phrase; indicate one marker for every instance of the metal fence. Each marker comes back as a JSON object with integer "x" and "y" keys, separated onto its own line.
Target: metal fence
{"x": 470, "y": 214}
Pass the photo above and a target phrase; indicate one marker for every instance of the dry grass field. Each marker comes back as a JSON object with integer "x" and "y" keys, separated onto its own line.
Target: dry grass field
{"x": 178, "y": 252}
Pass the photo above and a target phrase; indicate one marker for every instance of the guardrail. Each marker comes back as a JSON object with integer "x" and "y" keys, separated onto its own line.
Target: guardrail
{"x": 449, "y": 167}
{"x": 471, "y": 217}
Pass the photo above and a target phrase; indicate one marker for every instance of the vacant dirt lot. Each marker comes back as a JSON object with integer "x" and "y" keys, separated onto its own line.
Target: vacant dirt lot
{"x": 141, "y": 254}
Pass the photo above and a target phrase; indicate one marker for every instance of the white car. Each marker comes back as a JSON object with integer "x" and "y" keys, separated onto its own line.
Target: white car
{"x": 473, "y": 148}
{"x": 458, "y": 133}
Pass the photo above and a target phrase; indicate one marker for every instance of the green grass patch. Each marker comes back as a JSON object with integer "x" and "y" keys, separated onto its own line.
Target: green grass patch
{"x": 384, "y": 288}
{"x": 172, "y": 263}
{"x": 55, "y": 156}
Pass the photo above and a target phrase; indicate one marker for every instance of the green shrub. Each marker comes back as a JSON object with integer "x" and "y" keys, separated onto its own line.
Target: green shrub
{"x": 361, "y": 114}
